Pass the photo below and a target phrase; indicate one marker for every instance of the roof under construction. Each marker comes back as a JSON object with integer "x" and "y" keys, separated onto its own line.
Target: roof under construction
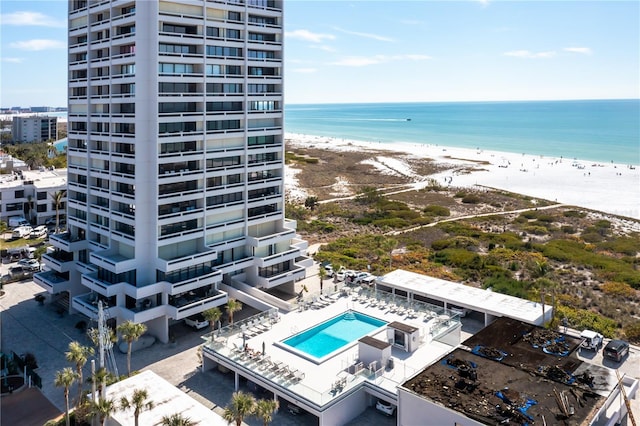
{"x": 518, "y": 373}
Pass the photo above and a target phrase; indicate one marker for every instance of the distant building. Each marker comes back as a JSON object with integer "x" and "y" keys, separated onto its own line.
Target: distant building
{"x": 42, "y": 109}
{"x": 34, "y": 129}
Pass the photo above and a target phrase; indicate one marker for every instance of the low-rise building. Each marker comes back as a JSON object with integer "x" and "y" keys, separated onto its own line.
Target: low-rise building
{"x": 31, "y": 193}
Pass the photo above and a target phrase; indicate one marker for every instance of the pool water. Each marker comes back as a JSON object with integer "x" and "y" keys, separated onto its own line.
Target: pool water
{"x": 334, "y": 334}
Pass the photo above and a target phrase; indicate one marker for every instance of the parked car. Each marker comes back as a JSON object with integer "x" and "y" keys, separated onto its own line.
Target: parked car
{"x": 29, "y": 264}
{"x": 368, "y": 281}
{"x": 21, "y": 232}
{"x": 196, "y": 321}
{"x": 329, "y": 270}
{"x": 360, "y": 276}
{"x": 39, "y": 232}
{"x": 591, "y": 340}
{"x": 385, "y": 407}
{"x": 616, "y": 350}
{"x": 19, "y": 273}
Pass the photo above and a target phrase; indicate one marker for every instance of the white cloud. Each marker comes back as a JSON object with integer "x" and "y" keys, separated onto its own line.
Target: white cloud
{"x": 304, "y": 70}
{"x": 530, "y": 55}
{"x": 484, "y": 3}
{"x": 362, "y": 61}
{"x": 308, "y": 36}
{"x": 365, "y": 35}
{"x": 323, "y": 47}
{"x": 39, "y": 44}
{"x": 12, "y": 60}
{"x": 582, "y": 50}
{"x": 25, "y": 18}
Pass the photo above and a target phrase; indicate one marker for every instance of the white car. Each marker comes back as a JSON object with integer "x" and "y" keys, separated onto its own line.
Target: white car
{"x": 29, "y": 264}
{"x": 196, "y": 321}
{"x": 385, "y": 407}
{"x": 360, "y": 276}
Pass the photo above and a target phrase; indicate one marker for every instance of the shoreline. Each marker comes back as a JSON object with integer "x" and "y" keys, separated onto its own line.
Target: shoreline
{"x": 607, "y": 187}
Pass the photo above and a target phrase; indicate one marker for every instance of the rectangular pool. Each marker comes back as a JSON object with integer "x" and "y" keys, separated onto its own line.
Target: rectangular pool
{"x": 332, "y": 336}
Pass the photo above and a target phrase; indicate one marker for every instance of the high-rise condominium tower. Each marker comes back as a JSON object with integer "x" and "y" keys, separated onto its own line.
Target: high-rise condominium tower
{"x": 175, "y": 159}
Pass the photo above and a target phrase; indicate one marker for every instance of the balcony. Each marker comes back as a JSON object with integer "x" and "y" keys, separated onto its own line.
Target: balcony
{"x": 195, "y": 281}
{"x": 294, "y": 274}
{"x": 103, "y": 287}
{"x": 169, "y": 265}
{"x": 67, "y": 242}
{"x": 191, "y": 303}
{"x": 52, "y": 281}
{"x": 58, "y": 260}
{"x": 263, "y": 262}
{"x": 87, "y": 304}
{"x": 143, "y": 313}
{"x": 115, "y": 263}
{"x": 286, "y": 235}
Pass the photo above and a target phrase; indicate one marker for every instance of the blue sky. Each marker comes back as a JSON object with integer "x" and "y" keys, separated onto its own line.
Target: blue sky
{"x": 390, "y": 51}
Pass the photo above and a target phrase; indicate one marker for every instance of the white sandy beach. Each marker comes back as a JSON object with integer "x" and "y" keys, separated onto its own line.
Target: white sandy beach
{"x": 606, "y": 187}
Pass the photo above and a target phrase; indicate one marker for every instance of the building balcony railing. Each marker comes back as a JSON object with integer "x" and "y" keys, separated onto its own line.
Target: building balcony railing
{"x": 290, "y": 254}
{"x": 102, "y": 287}
{"x": 304, "y": 261}
{"x": 59, "y": 261}
{"x": 285, "y": 235}
{"x": 169, "y": 265}
{"x": 142, "y": 313}
{"x": 115, "y": 263}
{"x": 195, "y": 282}
{"x": 68, "y": 243}
{"x": 186, "y": 307}
{"x": 87, "y": 304}
{"x": 294, "y": 274}
{"x": 52, "y": 281}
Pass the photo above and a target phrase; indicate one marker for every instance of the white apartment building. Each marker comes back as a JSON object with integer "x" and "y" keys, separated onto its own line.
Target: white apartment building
{"x": 31, "y": 194}
{"x": 34, "y": 129}
{"x": 175, "y": 159}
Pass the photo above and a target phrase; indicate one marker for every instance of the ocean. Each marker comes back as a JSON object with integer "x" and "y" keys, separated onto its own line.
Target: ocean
{"x": 594, "y": 130}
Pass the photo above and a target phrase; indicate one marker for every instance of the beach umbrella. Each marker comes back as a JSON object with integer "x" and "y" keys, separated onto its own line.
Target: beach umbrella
{"x": 263, "y": 348}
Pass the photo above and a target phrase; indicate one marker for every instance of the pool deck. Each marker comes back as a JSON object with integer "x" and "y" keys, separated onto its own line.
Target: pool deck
{"x": 321, "y": 383}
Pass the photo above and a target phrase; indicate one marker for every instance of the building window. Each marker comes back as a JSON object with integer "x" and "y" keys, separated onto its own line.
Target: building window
{"x": 223, "y": 125}
{"x": 18, "y": 194}
{"x": 224, "y": 52}
{"x": 179, "y": 29}
{"x": 41, "y": 195}
{"x": 177, "y": 127}
{"x": 165, "y": 68}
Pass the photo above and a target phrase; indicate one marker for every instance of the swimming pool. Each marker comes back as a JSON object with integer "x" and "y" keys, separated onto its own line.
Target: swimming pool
{"x": 332, "y": 336}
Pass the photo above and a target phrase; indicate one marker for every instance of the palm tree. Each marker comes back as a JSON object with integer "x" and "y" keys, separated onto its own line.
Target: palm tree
{"x": 138, "y": 402}
{"x": 79, "y": 355}
{"x": 212, "y": 315}
{"x": 65, "y": 379}
{"x": 265, "y": 409}
{"x": 322, "y": 273}
{"x": 177, "y": 420}
{"x": 233, "y": 305}
{"x": 242, "y": 405}
{"x": 57, "y": 202}
{"x": 104, "y": 408}
{"x": 28, "y": 207}
{"x": 131, "y": 332}
{"x": 100, "y": 377}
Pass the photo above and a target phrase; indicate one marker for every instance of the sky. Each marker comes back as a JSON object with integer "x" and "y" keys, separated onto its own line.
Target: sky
{"x": 390, "y": 51}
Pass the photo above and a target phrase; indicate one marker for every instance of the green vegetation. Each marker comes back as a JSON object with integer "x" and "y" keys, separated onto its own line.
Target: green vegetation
{"x": 37, "y": 154}
{"x": 290, "y": 157}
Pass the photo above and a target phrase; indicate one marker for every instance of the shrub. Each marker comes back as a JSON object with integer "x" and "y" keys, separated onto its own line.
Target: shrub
{"x": 433, "y": 210}
{"x": 471, "y": 199}
{"x": 632, "y": 332}
{"x": 536, "y": 230}
{"x": 618, "y": 289}
{"x": 574, "y": 213}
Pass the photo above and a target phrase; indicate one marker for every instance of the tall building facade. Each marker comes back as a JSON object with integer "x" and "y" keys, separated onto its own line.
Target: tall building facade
{"x": 34, "y": 129}
{"x": 175, "y": 159}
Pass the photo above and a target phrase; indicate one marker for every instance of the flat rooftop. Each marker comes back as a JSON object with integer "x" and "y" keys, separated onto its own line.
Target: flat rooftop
{"x": 317, "y": 385}
{"x": 509, "y": 365}
{"x": 486, "y": 301}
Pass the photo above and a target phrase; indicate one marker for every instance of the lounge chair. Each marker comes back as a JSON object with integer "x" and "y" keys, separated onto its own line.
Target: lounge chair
{"x": 298, "y": 375}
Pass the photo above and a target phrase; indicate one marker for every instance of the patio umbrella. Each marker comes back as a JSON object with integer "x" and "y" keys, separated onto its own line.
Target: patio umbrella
{"x": 263, "y": 348}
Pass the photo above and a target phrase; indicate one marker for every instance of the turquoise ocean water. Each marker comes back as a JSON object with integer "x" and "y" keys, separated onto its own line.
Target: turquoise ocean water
{"x": 594, "y": 130}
